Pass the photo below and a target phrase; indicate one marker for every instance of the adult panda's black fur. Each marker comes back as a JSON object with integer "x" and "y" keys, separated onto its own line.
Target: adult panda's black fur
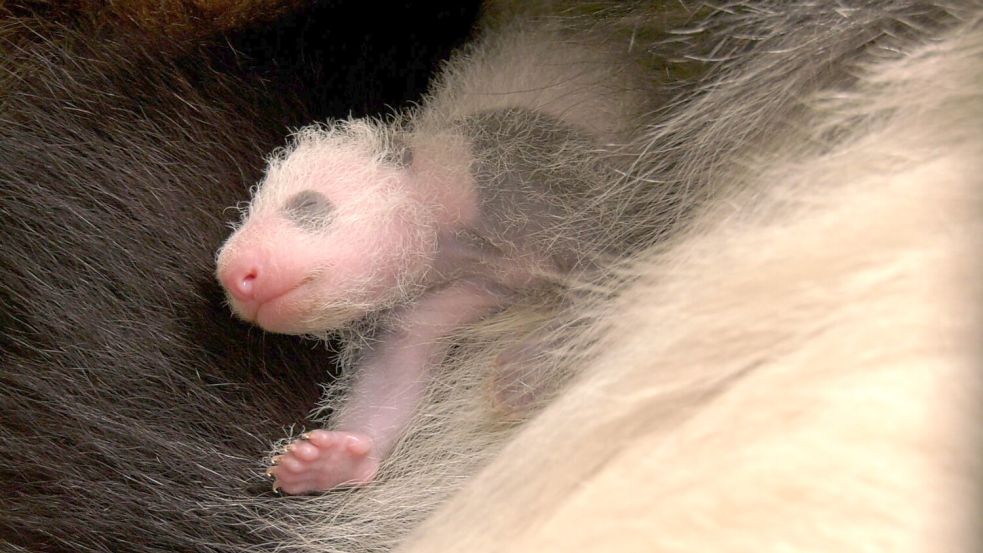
{"x": 134, "y": 411}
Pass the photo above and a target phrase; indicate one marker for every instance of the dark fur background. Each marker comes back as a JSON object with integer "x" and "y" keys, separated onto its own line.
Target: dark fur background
{"x": 135, "y": 411}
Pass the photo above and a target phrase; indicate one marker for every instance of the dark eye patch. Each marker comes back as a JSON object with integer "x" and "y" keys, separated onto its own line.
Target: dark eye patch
{"x": 308, "y": 210}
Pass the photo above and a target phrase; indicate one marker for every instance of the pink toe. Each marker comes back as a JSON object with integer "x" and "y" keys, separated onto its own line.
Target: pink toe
{"x": 291, "y": 464}
{"x": 357, "y": 445}
{"x": 306, "y": 452}
{"x": 290, "y": 489}
{"x": 321, "y": 438}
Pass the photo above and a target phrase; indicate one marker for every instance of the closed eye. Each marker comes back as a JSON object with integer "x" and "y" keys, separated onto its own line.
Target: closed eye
{"x": 309, "y": 210}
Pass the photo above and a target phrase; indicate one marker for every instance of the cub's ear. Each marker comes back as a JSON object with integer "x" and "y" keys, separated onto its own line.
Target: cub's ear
{"x": 399, "y": 154}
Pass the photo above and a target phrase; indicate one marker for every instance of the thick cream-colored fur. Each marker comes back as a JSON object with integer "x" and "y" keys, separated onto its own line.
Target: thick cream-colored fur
{"x": 802, "y": 370}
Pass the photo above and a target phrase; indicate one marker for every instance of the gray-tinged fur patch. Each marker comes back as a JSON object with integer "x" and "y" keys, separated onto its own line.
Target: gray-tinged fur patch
{"x": 535, "y": 173}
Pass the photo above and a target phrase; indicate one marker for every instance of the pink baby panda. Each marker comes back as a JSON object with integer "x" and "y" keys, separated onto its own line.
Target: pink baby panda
{"x": 431, "y": 222}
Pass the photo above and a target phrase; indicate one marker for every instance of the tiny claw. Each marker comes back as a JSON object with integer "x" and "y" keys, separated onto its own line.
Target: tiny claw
{"x": 305, "y": 436}
{"x": 276, "y": 460}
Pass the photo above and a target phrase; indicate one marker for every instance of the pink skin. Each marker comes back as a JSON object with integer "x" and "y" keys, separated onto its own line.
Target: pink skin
{"x": 388, "y": 388}
{"x": 392, "y": 230}
{"x": 320, "y": 458}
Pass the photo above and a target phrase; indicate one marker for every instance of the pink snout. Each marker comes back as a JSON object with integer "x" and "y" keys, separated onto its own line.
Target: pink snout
{"x": 240, "y": 282}
{"x": 252, "y": 281}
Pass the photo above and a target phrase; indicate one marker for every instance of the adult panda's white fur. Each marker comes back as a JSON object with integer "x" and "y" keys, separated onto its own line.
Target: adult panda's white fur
{"x": 800, "y": 371}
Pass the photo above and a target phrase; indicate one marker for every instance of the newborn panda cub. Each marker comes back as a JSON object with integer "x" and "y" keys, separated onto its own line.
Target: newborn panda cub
{"x": 424, "y": 230}
{"x": 413, "y": 229}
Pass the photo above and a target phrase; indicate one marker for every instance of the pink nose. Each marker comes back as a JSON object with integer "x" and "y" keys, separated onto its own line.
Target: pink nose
{"x": 256, "y": 278}
{"x": 242, "y": 282}
{"x": 252, "y": 278}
